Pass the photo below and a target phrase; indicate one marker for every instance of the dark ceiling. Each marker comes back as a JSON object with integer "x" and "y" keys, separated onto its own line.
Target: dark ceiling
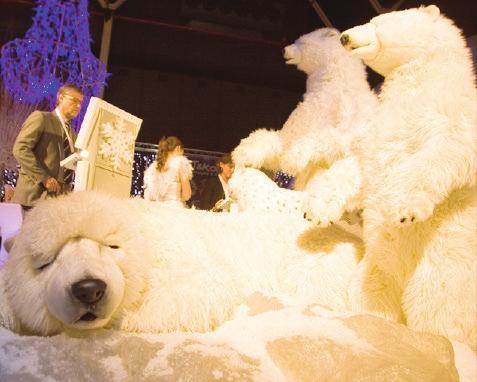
{"x": 237, "y": 41}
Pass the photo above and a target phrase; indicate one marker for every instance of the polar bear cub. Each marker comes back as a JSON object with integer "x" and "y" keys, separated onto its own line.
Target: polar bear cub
{"x": 86, "y": 261}
{"x": 313, "y": 144}
{"x": 337, "y": 99}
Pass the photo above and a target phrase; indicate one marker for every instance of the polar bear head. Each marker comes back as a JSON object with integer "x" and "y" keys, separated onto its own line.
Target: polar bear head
{"x": 68, "y": 273}
{"x": 394, "y": 39}
{"x": 316, "y": 50}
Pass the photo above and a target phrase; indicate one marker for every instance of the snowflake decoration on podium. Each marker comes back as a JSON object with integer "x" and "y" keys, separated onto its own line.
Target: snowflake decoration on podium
{"x": 55, "y": 51}
{"x": 117, "y": 143}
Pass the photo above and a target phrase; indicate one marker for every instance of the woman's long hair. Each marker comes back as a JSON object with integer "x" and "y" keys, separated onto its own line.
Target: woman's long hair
{"x": 164, "y": 148}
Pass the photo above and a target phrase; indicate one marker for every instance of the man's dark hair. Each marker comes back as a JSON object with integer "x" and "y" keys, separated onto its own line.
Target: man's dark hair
{"x": 225, "y": 159}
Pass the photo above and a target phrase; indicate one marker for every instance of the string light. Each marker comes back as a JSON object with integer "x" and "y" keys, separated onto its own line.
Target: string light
{"x": 284, "y": 180}
{"x": 141, "y": 161}
{"x": 143, "y": 158}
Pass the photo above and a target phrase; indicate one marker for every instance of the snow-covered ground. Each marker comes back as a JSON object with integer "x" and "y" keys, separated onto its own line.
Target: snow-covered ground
{"x": 270, "y": 339}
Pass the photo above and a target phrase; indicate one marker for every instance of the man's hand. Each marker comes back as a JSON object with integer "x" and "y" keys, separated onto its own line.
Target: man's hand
{"x": 217, "y": 205}
{"x": 52, "y": 185}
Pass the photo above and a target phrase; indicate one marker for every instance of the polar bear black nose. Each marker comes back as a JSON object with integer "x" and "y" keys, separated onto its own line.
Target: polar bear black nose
{"x": 89, "y": 291}
{"x": 344, "y": 39}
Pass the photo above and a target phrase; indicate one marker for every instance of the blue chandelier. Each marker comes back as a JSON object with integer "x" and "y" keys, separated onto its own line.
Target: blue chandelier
{"x": 54, "y": 51}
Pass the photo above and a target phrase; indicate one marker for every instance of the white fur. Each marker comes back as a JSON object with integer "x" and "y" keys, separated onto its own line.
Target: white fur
{"x": 318, "y": 133}
{"x": 260, "y": 149}
{"x": 418, "y": 164}
{"x": 166, "y": 269}
{"x": 337, "y": 97}
{"x": 254, "y": 190}
{"x": 334, "y": 192}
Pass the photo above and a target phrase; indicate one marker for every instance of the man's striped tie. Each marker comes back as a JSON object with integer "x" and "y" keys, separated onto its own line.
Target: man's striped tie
{"x": 68, "y": 175}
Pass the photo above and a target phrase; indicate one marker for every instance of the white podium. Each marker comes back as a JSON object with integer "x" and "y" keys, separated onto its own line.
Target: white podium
{"x": 106, "y": 149}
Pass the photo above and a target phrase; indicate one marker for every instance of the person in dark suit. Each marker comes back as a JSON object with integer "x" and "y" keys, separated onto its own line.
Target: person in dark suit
{"x": 45, "y": 139}
{"x": 216, "y": 189}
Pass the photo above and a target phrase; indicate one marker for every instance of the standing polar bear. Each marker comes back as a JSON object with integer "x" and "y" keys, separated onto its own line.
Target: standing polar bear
{"x": 87, "y": 260}
{"x": 317, "y": 132}
{"x": 419, "y": 167}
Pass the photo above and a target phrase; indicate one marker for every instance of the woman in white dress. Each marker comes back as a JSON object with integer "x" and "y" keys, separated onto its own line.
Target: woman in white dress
{"x": 167, "y": 179}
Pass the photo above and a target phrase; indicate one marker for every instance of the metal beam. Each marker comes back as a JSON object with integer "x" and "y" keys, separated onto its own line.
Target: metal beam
{"x": 321, "y": 13}
{"x": 380, "y": 9}
{"x": 112, "y": 6}
{"x": 107, "y": 31}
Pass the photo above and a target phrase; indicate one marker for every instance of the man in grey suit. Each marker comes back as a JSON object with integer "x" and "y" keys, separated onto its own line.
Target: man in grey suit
{"x": 41, "y": 145}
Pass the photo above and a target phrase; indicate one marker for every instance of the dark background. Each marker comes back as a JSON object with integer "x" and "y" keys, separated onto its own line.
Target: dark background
{"x": 211, "y": 71}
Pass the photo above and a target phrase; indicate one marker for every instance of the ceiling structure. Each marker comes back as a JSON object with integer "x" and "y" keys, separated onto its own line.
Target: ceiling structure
{"x": 235, "y": 41}
{"x": 240, "y": 40}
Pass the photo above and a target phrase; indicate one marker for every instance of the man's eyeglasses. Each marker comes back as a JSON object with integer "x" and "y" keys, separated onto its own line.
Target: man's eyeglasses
{"x": 74, "y": 99}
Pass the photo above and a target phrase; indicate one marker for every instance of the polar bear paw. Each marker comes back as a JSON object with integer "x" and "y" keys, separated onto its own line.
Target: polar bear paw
{"x": 322, "y": 212}
{"x": 411, "y": 214}
{"x": 259, "y": 149}
{"x": 295, "y": 158}
{"x": 416, "y": 208}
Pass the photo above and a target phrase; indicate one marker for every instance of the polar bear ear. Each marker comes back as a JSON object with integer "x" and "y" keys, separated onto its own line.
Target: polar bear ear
{"x": 332, "y": 33}
{"x": 432, "y": 10}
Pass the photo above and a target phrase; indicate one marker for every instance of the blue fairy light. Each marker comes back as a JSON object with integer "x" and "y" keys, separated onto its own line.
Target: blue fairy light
{"x": 55, "y": 50}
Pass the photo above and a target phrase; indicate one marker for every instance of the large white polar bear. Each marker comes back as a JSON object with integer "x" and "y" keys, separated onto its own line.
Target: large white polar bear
{"x": 419, "y": 174}
{"x": 86, "y": 261}
{"x": 317, "y": 132}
